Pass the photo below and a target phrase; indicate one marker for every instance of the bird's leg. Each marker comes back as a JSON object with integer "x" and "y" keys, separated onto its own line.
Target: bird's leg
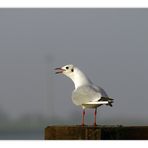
{"x": 95, "y": 115}
{"x": 83, "y": 114}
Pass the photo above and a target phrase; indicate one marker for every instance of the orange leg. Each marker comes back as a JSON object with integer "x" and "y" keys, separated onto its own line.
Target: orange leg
{"x": 83, "y": 114}
{"x": 95, "y": 115}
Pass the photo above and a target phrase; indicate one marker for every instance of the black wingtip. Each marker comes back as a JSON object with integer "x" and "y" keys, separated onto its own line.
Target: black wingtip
{"x": 110, "y": 101}
{"x": 110, "y": 104}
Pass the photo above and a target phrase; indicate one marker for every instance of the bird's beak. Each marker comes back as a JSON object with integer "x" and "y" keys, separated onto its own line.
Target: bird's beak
{"x": 59, "y": 70}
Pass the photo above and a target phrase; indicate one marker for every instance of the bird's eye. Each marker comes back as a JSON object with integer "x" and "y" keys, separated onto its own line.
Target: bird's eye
{"x": 67, "y": 67}
{"x": 72, "y": 70}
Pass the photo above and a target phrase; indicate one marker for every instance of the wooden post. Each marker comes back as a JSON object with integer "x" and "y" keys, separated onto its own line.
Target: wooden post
{"x": 78, "y": 132}
{"x": 72, "y": 133}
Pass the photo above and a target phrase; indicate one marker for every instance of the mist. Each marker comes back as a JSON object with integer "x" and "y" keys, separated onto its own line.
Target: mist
{"x": 108, "y": 45}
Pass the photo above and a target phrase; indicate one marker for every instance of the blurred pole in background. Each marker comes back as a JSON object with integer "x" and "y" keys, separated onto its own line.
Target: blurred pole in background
{"x": 49, "y": 101}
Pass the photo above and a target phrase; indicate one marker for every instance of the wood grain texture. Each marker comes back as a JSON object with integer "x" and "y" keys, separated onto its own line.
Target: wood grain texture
{"x": 78, "y": 132}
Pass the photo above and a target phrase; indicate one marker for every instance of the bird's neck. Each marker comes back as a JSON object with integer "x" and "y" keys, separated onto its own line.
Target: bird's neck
{"x": 79, "y": 78}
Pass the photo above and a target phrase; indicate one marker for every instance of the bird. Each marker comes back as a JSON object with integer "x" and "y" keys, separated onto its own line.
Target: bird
{"x": 85, "y": 94}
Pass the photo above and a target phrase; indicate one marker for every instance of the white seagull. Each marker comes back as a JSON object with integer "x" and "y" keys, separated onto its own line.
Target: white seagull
{"x": 85, "y": 94}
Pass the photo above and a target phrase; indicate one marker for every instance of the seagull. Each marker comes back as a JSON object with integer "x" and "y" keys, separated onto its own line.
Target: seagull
{"x": 85, "y": 94}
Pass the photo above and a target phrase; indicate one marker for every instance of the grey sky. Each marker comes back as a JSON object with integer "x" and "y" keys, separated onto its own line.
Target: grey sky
{"x": 109, "y": 45}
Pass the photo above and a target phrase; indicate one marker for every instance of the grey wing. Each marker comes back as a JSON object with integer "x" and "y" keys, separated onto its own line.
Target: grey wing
{"x": 101, "y": 90}
{"x": 104, "y": 97}
{"x": 85, "y": 94}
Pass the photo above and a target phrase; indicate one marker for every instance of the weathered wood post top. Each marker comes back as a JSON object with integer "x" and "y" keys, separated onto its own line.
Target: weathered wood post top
{"x": 78, "y": 132}
{"x": 75, "y": 132}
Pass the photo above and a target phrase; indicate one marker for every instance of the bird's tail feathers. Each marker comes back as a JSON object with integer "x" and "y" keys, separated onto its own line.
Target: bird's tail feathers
{"x": 110, "y": 100}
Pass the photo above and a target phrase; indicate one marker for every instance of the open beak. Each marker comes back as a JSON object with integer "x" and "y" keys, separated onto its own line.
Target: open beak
{"x": 59, "y": 70}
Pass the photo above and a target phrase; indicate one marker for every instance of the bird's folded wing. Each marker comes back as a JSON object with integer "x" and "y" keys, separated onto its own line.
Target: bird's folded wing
{"x": 99, "y": 102}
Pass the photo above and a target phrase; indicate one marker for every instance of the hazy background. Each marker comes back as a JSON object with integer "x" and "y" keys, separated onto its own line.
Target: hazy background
{"x": 109, "y": 45}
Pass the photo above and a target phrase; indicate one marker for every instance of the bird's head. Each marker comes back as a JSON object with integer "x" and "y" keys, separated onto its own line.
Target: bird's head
{"x": 74, "y": 73}
{"x": 67, "y": 70}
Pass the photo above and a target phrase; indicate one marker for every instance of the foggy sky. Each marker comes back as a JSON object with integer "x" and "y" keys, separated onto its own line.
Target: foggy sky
{"x": 109, "y": 45}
